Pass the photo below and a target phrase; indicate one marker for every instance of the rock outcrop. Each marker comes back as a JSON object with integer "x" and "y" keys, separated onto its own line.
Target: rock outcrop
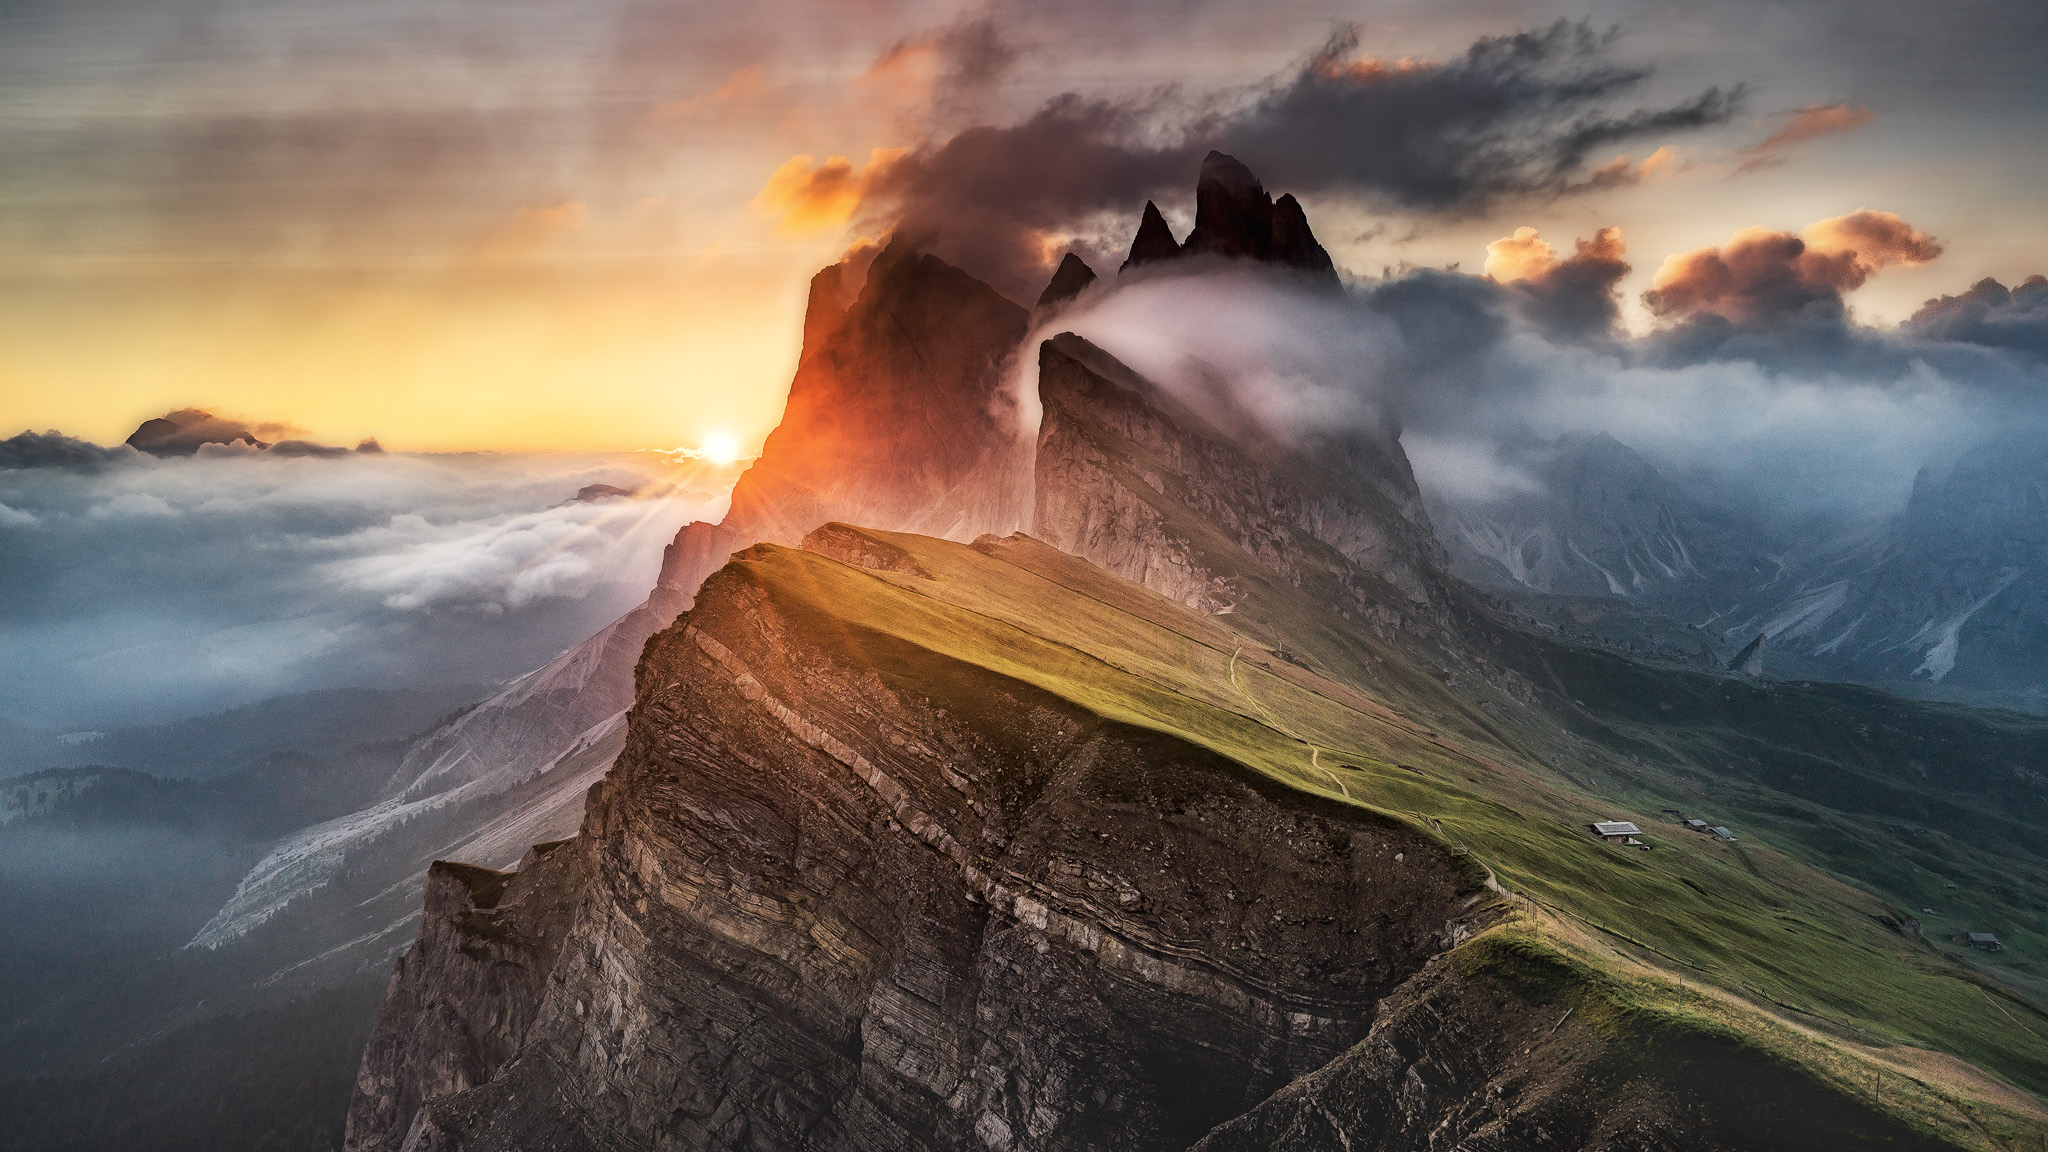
{"x": 1069, "y": 280}
{"x": 463, "y": 996}
{"x": 1148, "y": 489}
{"x": 898, "y": 418}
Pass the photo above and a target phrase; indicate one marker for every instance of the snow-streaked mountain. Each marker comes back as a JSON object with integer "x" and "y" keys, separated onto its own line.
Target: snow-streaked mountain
{"x": 1951, "y": 590}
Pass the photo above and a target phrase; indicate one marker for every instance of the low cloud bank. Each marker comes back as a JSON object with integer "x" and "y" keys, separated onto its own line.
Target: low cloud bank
{"x": 140, "y": 589}
{"x": 1756, "y": 385}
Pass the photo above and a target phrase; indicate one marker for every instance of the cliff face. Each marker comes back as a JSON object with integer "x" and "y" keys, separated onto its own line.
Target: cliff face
{"x": 1154, "y": 493}
{"x": 462, "y": 997}
{"x": 852, "y": 893}
{"x": 897, "y": 418}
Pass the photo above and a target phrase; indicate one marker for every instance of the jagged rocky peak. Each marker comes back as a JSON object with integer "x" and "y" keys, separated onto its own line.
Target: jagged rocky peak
{"x": 1071, "y": 279}
{"x": 898, "y": 417}
{"x": 1236, "y": 219}
{"x": 1154, "y": 241}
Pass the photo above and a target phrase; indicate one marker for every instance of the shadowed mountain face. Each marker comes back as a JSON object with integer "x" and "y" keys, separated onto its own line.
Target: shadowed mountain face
{"x": 1949, "y": 591}
{"x": 1235, "y": 219}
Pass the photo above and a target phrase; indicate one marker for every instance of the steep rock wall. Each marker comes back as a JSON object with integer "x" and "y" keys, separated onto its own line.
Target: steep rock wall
{"x": 462, "y": 997}
{"x": 850, "y": 894}
{"x": 1126, "y": 478}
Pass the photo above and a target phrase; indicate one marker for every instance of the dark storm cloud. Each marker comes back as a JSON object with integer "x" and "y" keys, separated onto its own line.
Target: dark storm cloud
{"x": 1990, "y": 315}
{"x": 1514, "y": 117}
{"x": 1577, "y": 296}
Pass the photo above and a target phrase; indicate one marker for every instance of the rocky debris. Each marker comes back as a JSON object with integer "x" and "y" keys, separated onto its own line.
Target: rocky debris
{"x": 1235, "y": 219}
{"x": 1154, "y": 241}
{"x": 849, "y": 893}
{"x": 181, "y": 433}
{"x": 1071, "y": 278}
{"x": 462, "y": 997}
{"x": 1149, "y": 490}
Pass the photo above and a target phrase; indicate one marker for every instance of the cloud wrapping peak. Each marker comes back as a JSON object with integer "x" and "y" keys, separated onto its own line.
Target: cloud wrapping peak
{"x": 1514, "y": 117}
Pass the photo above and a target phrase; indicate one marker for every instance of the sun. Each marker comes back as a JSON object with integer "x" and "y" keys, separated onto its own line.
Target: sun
{"x": 720, "y": 448}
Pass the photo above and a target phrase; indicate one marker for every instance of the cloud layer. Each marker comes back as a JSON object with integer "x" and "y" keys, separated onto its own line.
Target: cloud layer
{"x": 1787, "y": 403}
{"x": 1514, "y": 117}
{"x": 139, "y": 589}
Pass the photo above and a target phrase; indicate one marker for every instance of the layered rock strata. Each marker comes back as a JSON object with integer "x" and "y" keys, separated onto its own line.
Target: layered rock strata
{"x": 462, "y": 997}
{"x": 850, "y": 893}
{"x": 1151, "y": 491}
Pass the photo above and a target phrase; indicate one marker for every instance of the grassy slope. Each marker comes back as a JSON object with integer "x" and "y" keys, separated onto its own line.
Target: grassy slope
{"x": 1355, "y": 717}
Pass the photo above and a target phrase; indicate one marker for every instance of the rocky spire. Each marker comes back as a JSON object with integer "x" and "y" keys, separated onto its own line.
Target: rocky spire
{"x": 1233, "y": 214}
{"x": 1074, "y": 276}
{"x": 1236, "y": 219}
{"x": 1154, "y": 240}
{"x": 1295, "y": 245}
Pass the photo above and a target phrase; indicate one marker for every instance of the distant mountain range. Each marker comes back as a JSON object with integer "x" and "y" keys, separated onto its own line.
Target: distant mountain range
{"x": 1949, "y": 591}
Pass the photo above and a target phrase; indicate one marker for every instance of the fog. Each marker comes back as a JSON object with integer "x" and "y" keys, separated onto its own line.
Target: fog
{"x": 139, "y": 589}
{"x": 1825, "y": 419}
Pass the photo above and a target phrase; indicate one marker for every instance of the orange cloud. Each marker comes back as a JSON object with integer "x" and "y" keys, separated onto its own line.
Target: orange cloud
{"x": 1522, "y": 256}
{"x": 1809, "y": 123}
{"x": 1371, "y": 71}
{"x": 1658, "y": 161}
{"x": 1872, "y": 239}
{"x": 1760, "y": 273}
{"x": 805, "y": 197}
{"x": 744, "y": 86}
{"x": 1623, "y": 169}
{"x": 1573, "y": 295}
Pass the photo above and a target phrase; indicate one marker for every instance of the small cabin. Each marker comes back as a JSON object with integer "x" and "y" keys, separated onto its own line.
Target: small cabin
{"x": 1696, "y": 825}
{"x": 1615, "y": 831}
{"x": 1985, "y": 942}
{"x": 1721, "y": 833}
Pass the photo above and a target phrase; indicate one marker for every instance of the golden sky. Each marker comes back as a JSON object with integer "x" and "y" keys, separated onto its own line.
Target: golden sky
{"x": 543, "y": 225}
